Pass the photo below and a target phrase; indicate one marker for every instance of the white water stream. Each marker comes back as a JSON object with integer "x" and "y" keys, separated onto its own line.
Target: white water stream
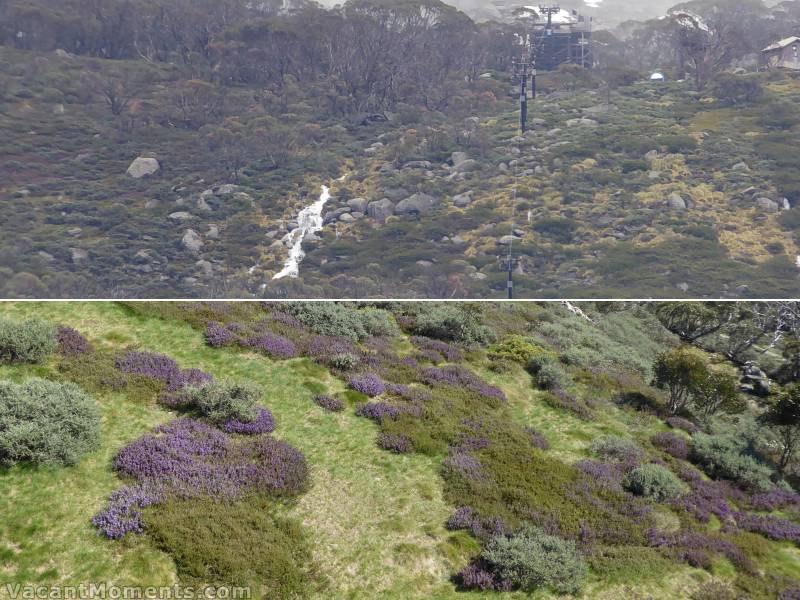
{"x": 309, "y": 222}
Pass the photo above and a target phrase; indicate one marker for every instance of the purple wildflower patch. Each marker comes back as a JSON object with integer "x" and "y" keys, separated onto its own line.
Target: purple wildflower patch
{"x": 71, "y": 342}
{"x": 683, "y": 424}
{"x": 447, "y": 351}
{"x": 458, "y": 376}
{"x": 774, "y": 499}
{"x": 218, "y": 336}
{"x": 775, "y": 528}
{"x": 329, "y": 403}
{"x": 370, "y": 385}
{"x": 190, "y": 458}
{"x": 378, "y": 411}
{"x": 264, "y": 423}
{"x": 161, "y": 368}
{"x": 671, "y": 443}
{"x": 537, "y": 439}
{"x": 399, "y": 444}
{"x": 272, "y": 344}
{"x": 123, "y": 514}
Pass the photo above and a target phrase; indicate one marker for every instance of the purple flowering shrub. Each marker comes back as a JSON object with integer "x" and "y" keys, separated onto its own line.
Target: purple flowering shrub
{"x": 379, "y": 411}
{"x": 683, "y": 424}
{"x": 219, "y": 336}
{"x": 772, "y": 527}
{"x": 537, "y": 439}
{"x": 775, "y": 499}
{"x": 370, "y": 384}
{"x": 671, "y": 443}
{"x": 272, "y": 344}
{"x": 71, "y": 342}
{"x": 263, "y": 423}
{"x": 329, "y": 403}
{"x": 398, "y": 444}
{"x": 123, "y": 514}
{"x": 460, "y": 377}
{"x": 161, "y": 368}
{"x": 187, "y": 458}
{"x": 445, "y": 351}
{"x": 686, "y": 544}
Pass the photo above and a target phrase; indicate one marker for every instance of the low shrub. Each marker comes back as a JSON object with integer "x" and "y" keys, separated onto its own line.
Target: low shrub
{"x": 370, "y": 385}
{"x": 395, "y": 443}
{"x": 218, "y": 336}
{"x": 243, "y": 543}
{"x": 45, "y": 422}
{"x": 654, "y": 481}
{"x": 338, "y": 319}
{"x": 263, "y": 423}
{"x": 683, "y": 424}
{"x": 329, "y": 403}
{"x": 451, "y": 322}
{"x": 551, "y": 376}
{"x": 71, "y": 342}
{"x": 775, "y": 528}
{"x": 161, "y": 368}
{"x": 537, "y": 439}
{"x": 727, "y": 456}
{"x": 531, "y": 559}
{"x": 671, "y": 443}
{"x": 187, "y": 458}
{"x": 225, "y": 402}
{"x": 519, "y": 350}
{"x": 29, "y": 341}
{"x": 271, "y": 344}
{"x": 617, "y": 448}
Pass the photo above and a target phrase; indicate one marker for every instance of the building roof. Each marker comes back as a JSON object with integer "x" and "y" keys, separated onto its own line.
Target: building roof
{"x": 780, "y": 44}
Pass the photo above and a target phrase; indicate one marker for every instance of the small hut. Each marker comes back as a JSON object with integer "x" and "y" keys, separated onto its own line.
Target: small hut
{"x": 783, "y": 54}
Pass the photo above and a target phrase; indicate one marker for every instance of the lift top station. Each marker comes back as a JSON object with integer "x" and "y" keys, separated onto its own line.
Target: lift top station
{"x": 558, "y": 36}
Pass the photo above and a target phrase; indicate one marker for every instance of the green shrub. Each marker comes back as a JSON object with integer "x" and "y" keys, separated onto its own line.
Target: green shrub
{"x": 221, "y": 402}
{"x": 341, "y": 319}
{"x": 45, "y": 422}
{"x": 30, "y": 341}
{"x": 617, "y": 448}
{"x": 654, "y": 481}
{"x": 452, "y": 322}
{"x": 235, "y": 544}
{"x": 551, "y": 376}
{"x": 729, "y": 456}
{"x": 530, "y": 559}
{"x": 520, "y": 350}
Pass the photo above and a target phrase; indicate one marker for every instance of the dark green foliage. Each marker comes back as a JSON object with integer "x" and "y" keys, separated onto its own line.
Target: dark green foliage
{"x": 452, "y": 322}
{"x": 736, "y": 89}
{"x": 558, "y": 229}
{"x": 29, "y": 341}
{"x": 234, "y": 544}
{"x": 221, "y": 402}
{"x": 341, "y": 319}
{"x": 729, "y": 456}
{"x": 45, "y": 422}
{"x": 678, "y": 372}
{"x": 530, "y": 560}
{"x": 654, "y": 481}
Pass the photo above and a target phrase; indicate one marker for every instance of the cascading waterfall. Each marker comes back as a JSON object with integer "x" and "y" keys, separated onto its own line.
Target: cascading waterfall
{"x": 309, "y": 222}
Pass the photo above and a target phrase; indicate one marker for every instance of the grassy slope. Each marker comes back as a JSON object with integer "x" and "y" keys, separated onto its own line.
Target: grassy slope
{"x": 375, "y": 519}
